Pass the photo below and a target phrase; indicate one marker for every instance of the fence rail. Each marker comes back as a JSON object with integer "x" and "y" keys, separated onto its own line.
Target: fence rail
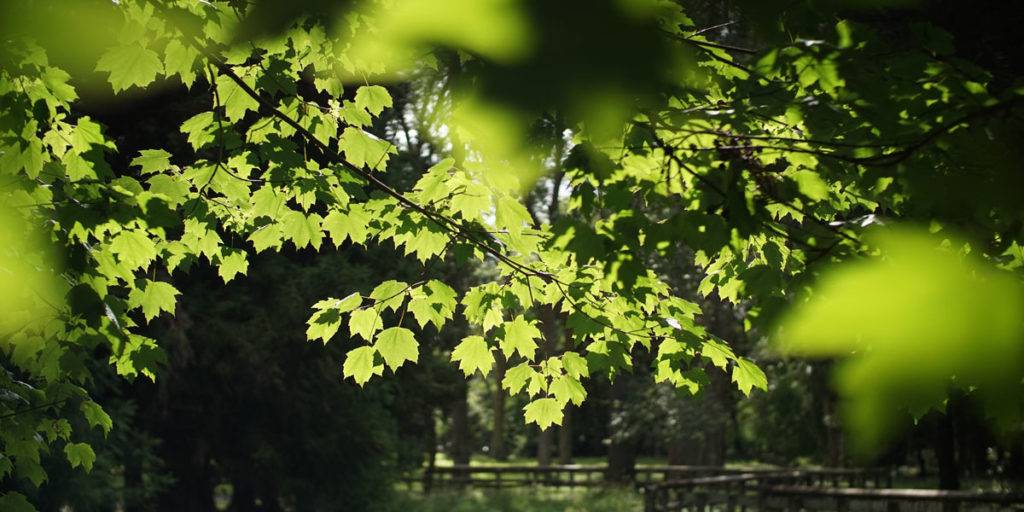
{"x": 718, "y": 489}
{"x": 594, "y": 475}
{"x": 832, "y": 490}
{"x": 799, "y": 498}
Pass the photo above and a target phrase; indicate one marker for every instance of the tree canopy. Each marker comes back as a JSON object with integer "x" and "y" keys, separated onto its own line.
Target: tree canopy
{"x": 836, "y": 138}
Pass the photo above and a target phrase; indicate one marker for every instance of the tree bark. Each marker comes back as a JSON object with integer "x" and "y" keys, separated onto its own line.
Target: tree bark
{"x": 621, "y": 449}
{"x": 565, "y": 436}
{"x": 544, "y": 447}
{"x": 458, "y": 417}
{"x": 498, "y": 450}
{"x": 945, "y": 453}
{"x": 549, "y": 346}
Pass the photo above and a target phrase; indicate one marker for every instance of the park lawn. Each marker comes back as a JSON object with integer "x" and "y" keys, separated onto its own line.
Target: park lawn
{"x": 533, "y": 499}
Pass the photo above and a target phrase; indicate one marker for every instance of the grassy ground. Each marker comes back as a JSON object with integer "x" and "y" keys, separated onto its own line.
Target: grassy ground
{"x": 522, "y": 500}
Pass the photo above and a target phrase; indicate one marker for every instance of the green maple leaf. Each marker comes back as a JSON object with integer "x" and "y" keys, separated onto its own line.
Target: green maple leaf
{"x": 362, "y": 149}
{"x": 96, "y": 416}
{"x": 352, "y": 301}
{"x": 520, "y": 336}
{"x": 153, "y": 297}
{"x": 232, "y": 263}
{"x": 473, "y": 354}
{"x": 201, "y": 129}
{"x": 303, "y": 230}
{"x": 336, "y": 224}
{"x": 441, "y": 293}
{"x": 365, "y": 322}
{"x": 747, "y": 375}
{"x": 153, "y": 160}
{"x": 427, "y": 242}
{"x": 353, "y": 115}
{"x": 425, "y": 311}
{"x": 373, "y": 98}
{"x": 266, "y": 237}
{"x": 133, "y": 248}
{"x": 575, "y": 365}
{"x": 268, "y": 202}
{"x": 568, "y": 389}
{"x": 718, "y": 352}
{"x": 389, "y": 295}
{"x": 360, "y": 364}
{"x": 523, "y": 376}
{"x": 358, "y": 223}
{"x": 323, "y": 325}
{"x": 80, "y": 454}
{"x": 397, "y": 345}
{"x": 543, "y": 412}
{"x": 511, "y": 214}
{"x": 13, "y": 501}
{"x": 178, "y": 60}
{"x": 470, "y": 202}
{"x": 172, "y": 187}
{"x": 326, "y": 322}
{"x": 130, "y": 65}
{"x": 234, "y": 99}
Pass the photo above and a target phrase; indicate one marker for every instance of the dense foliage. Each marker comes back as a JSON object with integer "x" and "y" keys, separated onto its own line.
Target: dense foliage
{"x": 761, "y": 165}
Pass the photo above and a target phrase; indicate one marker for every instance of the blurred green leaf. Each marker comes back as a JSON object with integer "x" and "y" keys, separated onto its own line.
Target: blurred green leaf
{"x": 909, "y": 324}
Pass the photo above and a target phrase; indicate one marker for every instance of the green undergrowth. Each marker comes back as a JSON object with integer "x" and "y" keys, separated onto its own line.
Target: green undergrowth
{"x": 521, "y": 500}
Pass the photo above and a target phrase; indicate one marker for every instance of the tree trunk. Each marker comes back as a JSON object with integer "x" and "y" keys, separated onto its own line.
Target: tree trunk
{"x": 544, "y": 447}
{"x": 565, "y": 430}
{"x": 549, "y": 346}
{"x": 715, "y": 405}
{"x": 621, "y": 449}
{"x": 193, "y": 487}
{"x": 243, "y": 495}
{"x": 428, "y": 479}
{"x": 458, "y": 417}
{"x": 835, "y": 456}
{"x": 945, "y": 453}
{"x": 498, "y": 450}
{"x": 683, "y": 452}
{"x": 565, "y": 436}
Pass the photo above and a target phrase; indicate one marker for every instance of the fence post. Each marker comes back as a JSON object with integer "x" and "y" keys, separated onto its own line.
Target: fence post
{"x": 701, "y": 501}
{"x": 892, "y": 506}
{"x": 841, "y": 504}
{"x": 793, "y": 504}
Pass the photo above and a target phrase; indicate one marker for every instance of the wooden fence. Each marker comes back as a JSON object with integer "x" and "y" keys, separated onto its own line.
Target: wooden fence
{"x": 718, "y": 489}
{"x": 593, "y": 475}
{"x": 805, "y": 498}
{"x": 832, "y": 490}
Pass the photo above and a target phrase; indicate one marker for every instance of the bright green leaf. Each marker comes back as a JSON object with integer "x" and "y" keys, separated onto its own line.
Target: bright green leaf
{"x": 567, "y": 389}
{"x": 473, "y": 354}
{"x": 747, "y": 375}
{"x": 373, "y": 98}
{"x": 520, "y": 336}
{"x": 397, "y": 345}
{"x": 153, "y": 297}
{"x": 360, "y": 365}
{"x": 129, "y": 65}
{"x": 153, "y": 160}
{"x": 362, "y": 149}
{"x": 543, "y": 412}
{"x": 365, "y": 322}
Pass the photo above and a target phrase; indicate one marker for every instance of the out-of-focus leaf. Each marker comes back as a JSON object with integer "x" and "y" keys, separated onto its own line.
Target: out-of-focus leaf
{"x": 912, "y": 322}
